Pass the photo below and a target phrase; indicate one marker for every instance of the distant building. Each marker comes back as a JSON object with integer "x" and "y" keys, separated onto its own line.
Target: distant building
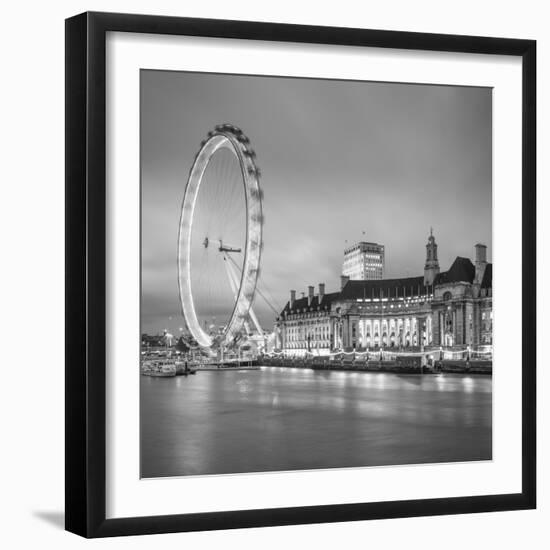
{"x": 450, "y": 309}
{"x": 364, "y": 262}
{"x": 153, "y": 341}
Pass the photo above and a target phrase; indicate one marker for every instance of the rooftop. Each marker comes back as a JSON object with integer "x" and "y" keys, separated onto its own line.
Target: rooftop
{"x": 462, "y": 270}
{"x": 384, "y": 288}
{"x": 363, "y": 244}
{"x": 301, "y": 303}
{"x": 487, "y": 281}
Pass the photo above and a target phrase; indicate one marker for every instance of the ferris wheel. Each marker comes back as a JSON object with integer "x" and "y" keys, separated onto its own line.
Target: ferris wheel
{"x": 220, "y": 239}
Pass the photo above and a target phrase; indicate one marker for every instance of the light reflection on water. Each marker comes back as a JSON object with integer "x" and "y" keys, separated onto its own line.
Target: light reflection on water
{"x": 287, "y": 419}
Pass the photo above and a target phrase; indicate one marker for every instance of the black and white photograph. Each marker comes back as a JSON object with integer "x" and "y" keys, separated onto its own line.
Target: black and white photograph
{"x": 316, "y": 274}
{"x": 249, "y": 294}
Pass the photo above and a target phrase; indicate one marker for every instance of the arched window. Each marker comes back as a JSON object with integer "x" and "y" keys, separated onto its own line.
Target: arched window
{"x": 447, "y": 296}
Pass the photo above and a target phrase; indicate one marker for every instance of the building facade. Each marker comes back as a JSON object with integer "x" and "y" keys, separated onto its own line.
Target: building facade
{"x": 451, "y": 309}
{"x": 305, "y": 325}
{"x": 364, "y": 261}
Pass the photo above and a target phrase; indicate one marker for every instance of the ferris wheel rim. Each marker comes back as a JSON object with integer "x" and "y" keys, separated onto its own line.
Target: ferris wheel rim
{"x": 232, "y": 138}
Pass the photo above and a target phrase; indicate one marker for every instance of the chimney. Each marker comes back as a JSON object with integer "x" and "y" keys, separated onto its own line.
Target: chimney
{"x": 310, "y": 291}
{"x": 480, "y": 262}
{"x": 481, "y": 253}
{"x": 321, "y": 291}
{"x": 343, "y": 281}
{"x": 292, "y": 298}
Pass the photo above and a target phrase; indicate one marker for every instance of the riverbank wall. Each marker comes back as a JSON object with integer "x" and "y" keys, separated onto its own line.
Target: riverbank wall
{"x": 409, "y": 365}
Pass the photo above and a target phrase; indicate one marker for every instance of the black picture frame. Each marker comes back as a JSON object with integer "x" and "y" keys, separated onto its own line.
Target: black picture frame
{"x": 86, "y": 284}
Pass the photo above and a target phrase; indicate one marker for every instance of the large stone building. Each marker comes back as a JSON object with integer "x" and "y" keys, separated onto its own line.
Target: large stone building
{"x": 450, "y": 309}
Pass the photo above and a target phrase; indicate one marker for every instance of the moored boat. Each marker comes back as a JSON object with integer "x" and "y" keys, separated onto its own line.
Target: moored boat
{"x": 159, "y": 369}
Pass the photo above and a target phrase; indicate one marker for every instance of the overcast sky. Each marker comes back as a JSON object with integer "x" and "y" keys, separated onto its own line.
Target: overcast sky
{"x": 338, "y": 158}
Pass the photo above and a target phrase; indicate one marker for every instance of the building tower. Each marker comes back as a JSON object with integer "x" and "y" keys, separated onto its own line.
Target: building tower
{"x": 364, "y": 261}
{"x": 431, "y": 268}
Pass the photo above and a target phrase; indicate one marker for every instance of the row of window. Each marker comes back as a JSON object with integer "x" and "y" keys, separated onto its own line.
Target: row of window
{"x": 300, "y": 332}
{"x": 317, "y": 313}
{"x": 311, "y": 346}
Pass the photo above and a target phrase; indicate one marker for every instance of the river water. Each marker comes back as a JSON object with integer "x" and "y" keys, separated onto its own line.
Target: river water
{"x": 276, "y": 419}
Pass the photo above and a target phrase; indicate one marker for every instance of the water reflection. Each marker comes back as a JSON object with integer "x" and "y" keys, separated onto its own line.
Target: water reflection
{"x": 287, "y": 419}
